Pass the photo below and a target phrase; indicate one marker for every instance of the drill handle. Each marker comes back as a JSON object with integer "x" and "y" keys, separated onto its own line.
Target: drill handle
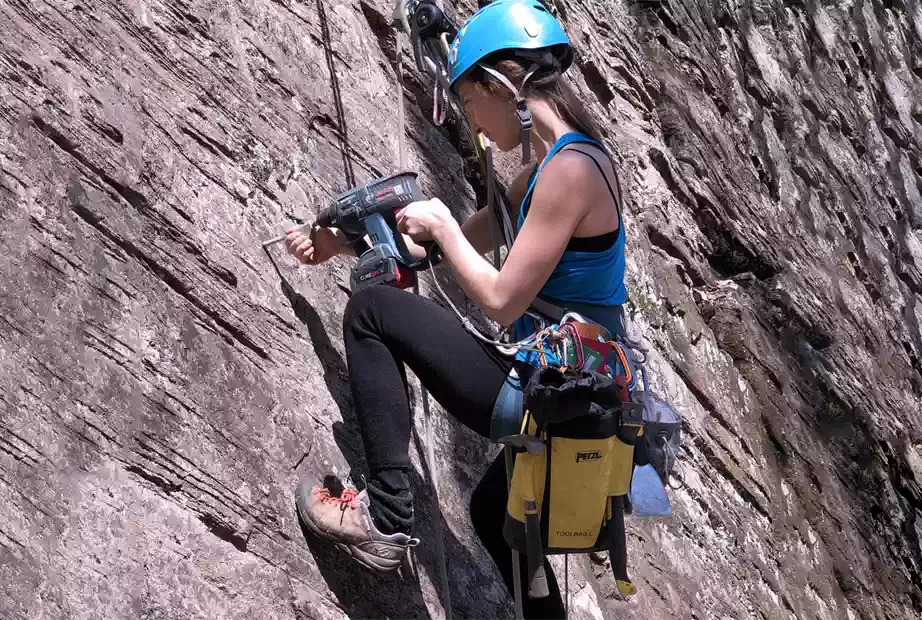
{"x": 433, "y": 254}
{"x": 383, "y": 231}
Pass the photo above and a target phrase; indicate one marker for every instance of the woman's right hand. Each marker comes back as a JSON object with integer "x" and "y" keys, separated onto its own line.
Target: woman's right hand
{"x": 321, "y": 245}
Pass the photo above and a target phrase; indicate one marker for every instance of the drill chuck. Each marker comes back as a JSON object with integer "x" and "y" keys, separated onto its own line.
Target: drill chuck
{"x": 328, "y": 217}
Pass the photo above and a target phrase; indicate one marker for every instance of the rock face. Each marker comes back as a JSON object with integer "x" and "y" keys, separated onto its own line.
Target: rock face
{"x": 160, "y": 398}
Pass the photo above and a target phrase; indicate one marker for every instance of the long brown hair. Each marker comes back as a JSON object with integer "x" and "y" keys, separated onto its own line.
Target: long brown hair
{"x": 545, "y": 84}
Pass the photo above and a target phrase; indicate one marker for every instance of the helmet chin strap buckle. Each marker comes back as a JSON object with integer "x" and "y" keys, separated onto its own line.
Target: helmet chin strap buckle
{"x": 521, "y": 107}
{"x": 525, "y": 125}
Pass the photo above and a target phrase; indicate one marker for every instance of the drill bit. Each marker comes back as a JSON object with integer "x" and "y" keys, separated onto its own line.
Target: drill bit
{"x": 281, "y": 238}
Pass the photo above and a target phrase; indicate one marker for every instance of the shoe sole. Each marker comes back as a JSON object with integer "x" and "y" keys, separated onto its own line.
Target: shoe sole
{"x": 365, "y": 559}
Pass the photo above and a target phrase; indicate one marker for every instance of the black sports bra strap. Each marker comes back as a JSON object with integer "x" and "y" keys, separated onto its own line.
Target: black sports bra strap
{"x": 617, "y": 197}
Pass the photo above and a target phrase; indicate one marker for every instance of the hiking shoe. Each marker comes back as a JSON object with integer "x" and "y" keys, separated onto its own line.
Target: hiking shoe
{"x": 346, "y": 521}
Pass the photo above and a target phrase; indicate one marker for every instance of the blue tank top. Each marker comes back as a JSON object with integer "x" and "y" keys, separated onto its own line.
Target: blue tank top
{"x": 591, "y": 283}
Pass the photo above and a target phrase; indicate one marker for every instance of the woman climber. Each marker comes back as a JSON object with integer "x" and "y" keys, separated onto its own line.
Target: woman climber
{"x": 506, "y": 66}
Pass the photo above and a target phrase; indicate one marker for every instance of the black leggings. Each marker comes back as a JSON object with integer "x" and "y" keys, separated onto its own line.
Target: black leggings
{"x": 385, "y": 328}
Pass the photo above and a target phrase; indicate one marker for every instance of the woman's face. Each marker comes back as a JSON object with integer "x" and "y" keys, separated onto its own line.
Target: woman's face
{"x": 492, "y": 114}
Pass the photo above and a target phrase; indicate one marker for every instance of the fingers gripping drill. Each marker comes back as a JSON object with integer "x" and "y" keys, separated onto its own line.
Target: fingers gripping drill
{"x": 370, "y": 209}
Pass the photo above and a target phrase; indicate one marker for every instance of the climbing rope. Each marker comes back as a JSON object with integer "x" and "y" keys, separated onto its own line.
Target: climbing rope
{"x": 427, "y": 413}
{"x": 401, "y": 18}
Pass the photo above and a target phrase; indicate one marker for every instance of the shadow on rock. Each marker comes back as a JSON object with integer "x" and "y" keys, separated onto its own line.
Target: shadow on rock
{"x": 335, "y": 375}
{"x": 361, "y": 592}
{"x": 364, "y": 593}
{"x": 335, "y": 371}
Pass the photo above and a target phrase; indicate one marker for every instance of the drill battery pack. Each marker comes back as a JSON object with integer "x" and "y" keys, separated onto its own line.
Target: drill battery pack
{"x": 378, "y": 265}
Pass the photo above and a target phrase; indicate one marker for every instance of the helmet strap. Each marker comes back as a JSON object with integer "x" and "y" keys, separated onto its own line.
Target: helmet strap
{"x": 521, "y": 107}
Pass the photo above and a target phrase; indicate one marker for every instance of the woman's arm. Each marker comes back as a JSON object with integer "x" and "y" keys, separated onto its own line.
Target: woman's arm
{"x": 477, "y": 227}
{"x": 477, "y": 232}
{"x": 318, "y": 245}
{"x": 562, "y": 198}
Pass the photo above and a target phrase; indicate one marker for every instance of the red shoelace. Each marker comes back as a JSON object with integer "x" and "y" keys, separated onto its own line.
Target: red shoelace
{"x": 346, "y": 499}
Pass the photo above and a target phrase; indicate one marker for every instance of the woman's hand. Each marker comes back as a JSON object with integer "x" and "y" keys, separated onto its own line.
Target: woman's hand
{"x": 424, "y": 220}
{"x": 322, "y": 245}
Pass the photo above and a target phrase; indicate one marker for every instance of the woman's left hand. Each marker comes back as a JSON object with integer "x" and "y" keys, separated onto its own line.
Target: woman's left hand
{"x": 423, "y": 220}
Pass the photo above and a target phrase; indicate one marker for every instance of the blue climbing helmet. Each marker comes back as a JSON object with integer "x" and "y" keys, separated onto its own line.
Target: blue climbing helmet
{"x": 519, "y": 25}
{"x": 523, "y": 28}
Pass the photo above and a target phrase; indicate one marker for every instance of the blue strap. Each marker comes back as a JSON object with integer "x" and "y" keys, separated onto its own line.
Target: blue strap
{"x": 508, "y": 409}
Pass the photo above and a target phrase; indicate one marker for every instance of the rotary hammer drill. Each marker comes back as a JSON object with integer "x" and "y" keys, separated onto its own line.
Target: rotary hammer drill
{"x": 370, "y": 210}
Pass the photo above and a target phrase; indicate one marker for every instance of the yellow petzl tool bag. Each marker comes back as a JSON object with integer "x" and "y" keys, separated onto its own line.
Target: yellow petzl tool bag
{"x": 574, "y": 456}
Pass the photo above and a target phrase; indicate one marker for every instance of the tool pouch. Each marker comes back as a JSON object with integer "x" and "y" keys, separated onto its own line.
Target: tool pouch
{"x": 575, "y": 460}
{"x": 555, "y": 394}
{"x": 578, "y": 423}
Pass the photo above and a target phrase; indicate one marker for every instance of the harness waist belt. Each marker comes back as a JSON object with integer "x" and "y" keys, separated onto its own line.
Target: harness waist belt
{"x": 552, "y": 311}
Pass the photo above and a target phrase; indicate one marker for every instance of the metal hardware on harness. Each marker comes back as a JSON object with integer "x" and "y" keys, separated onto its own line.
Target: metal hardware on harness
{"x": 427, "y": 22}
{"x": 530, "y": 444}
